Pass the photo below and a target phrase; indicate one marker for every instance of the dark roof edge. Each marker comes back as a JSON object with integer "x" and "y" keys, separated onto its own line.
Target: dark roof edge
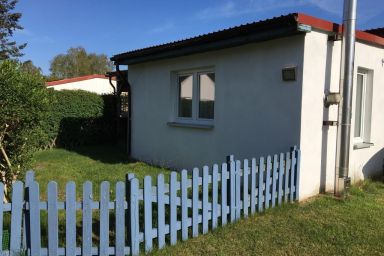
{"x": 253, "y": 32}
{"x": 282, "y": 26}
{"x": 376, "y": 31}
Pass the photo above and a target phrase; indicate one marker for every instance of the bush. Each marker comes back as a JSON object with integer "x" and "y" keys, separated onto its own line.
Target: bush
{"x": 24, "y": 104}
{"x": 80, "y": 118}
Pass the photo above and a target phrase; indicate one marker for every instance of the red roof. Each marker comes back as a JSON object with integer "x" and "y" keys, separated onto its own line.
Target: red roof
{"x": 329, "y": 26}
{"x": 75, "y": 79}
{"x": 376, "y": 31}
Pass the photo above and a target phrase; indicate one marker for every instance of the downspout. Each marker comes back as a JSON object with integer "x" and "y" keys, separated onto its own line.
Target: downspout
{"x": 129, "y": 135}
{"x": 345, "y": 105}
{"x": 110, "y": 82}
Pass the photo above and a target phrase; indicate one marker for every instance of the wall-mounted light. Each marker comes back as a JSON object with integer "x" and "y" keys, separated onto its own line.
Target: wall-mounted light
{"x": 289, "y": 74}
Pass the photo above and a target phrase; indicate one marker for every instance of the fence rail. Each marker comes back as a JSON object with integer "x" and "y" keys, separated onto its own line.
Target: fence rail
{"x": 191, "y": 203}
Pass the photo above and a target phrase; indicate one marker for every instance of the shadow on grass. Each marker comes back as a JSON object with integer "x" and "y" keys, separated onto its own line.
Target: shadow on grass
{"x": 113, "y": 153}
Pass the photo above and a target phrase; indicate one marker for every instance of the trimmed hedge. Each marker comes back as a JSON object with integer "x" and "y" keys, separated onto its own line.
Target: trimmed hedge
{"x": 80, "y": 118}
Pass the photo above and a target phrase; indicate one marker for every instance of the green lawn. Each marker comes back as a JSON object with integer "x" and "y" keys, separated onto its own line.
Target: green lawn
{"x": 320, "y": 226}
{"x": 96, "y": 164}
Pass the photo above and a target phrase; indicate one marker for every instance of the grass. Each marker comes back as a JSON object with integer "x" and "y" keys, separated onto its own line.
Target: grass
{"x": 320, "y": 226}
{"x": 96, "y": 164}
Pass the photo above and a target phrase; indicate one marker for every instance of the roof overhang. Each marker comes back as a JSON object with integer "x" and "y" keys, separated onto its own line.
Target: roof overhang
{"x": 278, "y": 27}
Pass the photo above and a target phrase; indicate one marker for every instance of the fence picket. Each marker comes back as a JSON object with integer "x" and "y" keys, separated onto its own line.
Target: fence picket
{"x": 297, "y": 182}
{"x": 292, "y": 179}
{"x": 245, "y": 187}
{"x": 232, "y": 193}
{"x": 184, "y": 205}
{"x": 120, "y": 219}
{"x": 224, "y": 203}
{"x": 53, "y": 222}
{"x": 17, "y": 209}
{"x": 148, "y": 213}
{"x": 205, "y": 199}
{"x": 215, "y": 178}
{"x": 274, "y": 179}
{"x": 281, "y": 176}
{"x": 134, "y": 212}
{"x": 261, "y": 184}
{"x": 253, "y": 185}
{"x": 268, "y": 183}
{"x": 286, "y": 176}
{"x": 104, "y": 219}
{"x": 160, "y": 211}
{"x": 173, "y": 208}
{"x": 238, "y": 189}
{"x": 87, "y": 218}
{"x": 34, "y": 214}
{"x": 70, "y": 219}
{"x": 195, "y": 202}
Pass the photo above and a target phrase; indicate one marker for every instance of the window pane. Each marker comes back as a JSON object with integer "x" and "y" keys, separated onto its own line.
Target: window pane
{"x": 359, "y": 106}
{"x": 185, "y": 95}
{"x": 207, "y": 95}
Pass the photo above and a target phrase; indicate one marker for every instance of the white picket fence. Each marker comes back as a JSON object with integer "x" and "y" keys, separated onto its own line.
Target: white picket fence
{"x": 192, "y": 203}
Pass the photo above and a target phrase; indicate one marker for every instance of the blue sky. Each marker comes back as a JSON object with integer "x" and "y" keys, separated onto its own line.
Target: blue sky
{"x": 115, "y": 26}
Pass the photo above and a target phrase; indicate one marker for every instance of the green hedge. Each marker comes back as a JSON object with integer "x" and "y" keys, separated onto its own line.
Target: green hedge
{"x": 79, "y": 118}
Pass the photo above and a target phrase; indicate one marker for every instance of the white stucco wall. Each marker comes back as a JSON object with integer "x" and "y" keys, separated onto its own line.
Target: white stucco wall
{"x": 96, "y": 85}
{"x": 256, "y": 113}
{"x": 318, "y": 143}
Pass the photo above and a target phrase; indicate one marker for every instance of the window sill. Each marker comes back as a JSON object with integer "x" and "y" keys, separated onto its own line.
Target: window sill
{"x": 191, "y": 125}
{"x": 362, "y": 145}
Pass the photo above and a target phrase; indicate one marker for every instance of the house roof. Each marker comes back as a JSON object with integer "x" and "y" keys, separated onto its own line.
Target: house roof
{"x": 376, "y": 31}
{"x": 282, "y": 26}
{"x": 75, "y": 79}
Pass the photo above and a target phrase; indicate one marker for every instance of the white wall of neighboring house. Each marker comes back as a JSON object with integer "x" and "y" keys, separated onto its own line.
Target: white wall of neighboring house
{"x": 256, "y": 113}
{"x": 97, "y": 84}
{"x": 318, "y": 142}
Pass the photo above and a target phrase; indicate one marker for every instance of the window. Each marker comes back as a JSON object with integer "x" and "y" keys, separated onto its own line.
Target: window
{"x": 195, "y": 97}
{"x": 185, "y": 95}
{"x": 363, "y": 107}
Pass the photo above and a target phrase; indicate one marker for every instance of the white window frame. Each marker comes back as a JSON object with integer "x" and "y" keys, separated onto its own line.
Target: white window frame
{"x": 360, "y": 139}
{"x": 195, "y": 97}
{"x": 366, "y": 107}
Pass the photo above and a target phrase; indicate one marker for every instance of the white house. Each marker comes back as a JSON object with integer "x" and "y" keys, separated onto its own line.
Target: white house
{"x": 93, "y": 83}
{"x": 254, "y": 90}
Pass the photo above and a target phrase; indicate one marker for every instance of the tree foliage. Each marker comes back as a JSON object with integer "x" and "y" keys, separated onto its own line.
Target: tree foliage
{"x": 77, "y": 62}
{"x": 28, "y": 66}
{"x": 9, "y": 22}
{"x": 24, "y": 104}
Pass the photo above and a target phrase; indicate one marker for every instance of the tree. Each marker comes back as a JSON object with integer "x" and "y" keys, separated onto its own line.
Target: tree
{"x": 24, "y": 104}
{"x": 9, "y": 22}
{"x": 28, "y": 66}
{"x": 77, "y": 62}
